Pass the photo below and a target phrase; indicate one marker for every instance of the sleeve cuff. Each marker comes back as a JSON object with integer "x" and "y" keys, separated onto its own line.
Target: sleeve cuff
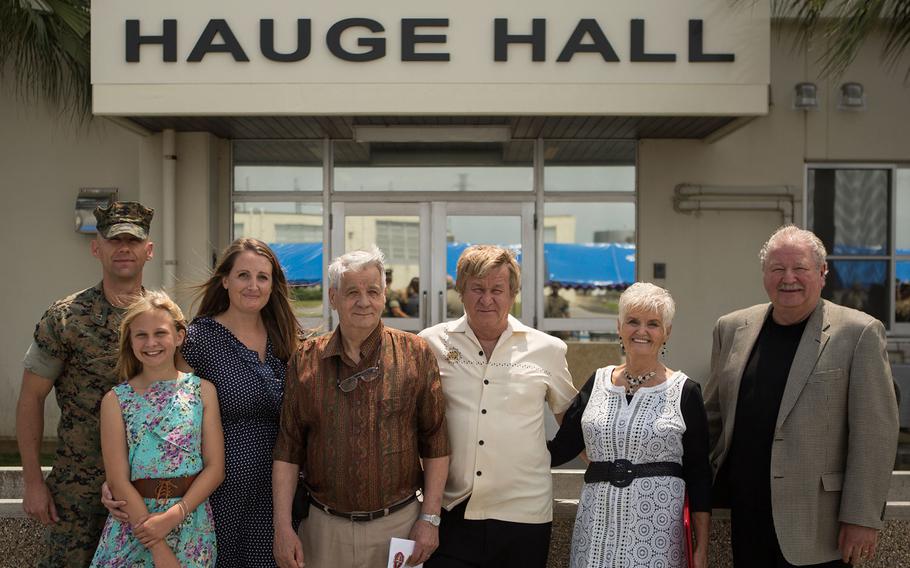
{"x": 40, "y": 363}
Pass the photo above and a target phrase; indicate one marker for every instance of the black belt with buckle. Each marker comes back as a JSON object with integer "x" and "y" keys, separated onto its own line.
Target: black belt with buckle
{"x": 621, "y": 473}
{"x": 364, "y": 516}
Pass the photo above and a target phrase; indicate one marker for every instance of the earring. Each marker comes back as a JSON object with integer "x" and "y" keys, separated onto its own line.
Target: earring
{"x": 622, "y": 348}
{"x": 663, "y": 350}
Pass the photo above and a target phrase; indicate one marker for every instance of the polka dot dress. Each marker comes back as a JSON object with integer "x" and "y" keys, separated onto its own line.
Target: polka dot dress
{"x": 249, "y": 393}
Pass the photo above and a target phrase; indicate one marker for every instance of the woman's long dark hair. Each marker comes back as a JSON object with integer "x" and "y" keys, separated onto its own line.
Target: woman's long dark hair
{"x": 277, "y": 315}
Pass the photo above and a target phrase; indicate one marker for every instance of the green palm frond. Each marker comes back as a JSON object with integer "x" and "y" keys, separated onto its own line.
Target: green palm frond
{"x": 44, "y": 46}
{"x": 844, "y": 25}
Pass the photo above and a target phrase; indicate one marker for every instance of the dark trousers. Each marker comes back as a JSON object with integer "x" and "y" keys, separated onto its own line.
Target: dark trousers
{"x": 755, "y": 542}
{"x": 489, "y": 543}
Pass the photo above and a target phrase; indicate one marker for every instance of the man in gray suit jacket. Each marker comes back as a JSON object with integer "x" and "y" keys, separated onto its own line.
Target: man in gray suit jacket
{"x": 802, "y": 416}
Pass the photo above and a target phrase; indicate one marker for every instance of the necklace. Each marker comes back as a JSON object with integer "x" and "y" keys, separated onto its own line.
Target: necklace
{"x": 633, "y": 382}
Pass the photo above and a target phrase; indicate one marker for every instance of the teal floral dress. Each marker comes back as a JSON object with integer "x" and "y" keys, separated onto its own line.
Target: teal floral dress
{"x": 164, "y": 436}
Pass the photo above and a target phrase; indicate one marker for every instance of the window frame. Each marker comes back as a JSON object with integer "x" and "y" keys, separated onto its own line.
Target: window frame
{"x": 538, "y": 197}
{"x": 894, "y": 329}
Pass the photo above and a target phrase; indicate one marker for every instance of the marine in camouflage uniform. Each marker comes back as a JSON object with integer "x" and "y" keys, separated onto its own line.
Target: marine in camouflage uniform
{"x": 75, "y": 346}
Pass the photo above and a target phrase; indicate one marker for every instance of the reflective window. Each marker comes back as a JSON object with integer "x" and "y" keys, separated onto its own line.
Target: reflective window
{"x": 463, "y": 231}
{"x": 902, "y": 291}
{"x": 902, "y": 249}
{"x": 399, "y": 240}
{"x": 361, "y": 166}
{"x": 849, "y": 210}
{"x": 859, "y": 284}
{"x": 294, "y": 231}
{"x": 589, "y": 258}
{"x": 591, "y": 165}
{"x": 902, "y": 211}
{"x": 280, "y": 165}
{"x": 396, "y": 236}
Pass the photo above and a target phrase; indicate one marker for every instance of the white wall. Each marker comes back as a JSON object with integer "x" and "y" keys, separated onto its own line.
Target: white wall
{"x": 712, "y": 262}
{"x": 44, "y": 160}
{"x": 711, "y": 259}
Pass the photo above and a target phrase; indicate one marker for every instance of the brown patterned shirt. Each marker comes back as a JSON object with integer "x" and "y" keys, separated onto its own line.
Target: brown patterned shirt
{"x": 360, "y": 450}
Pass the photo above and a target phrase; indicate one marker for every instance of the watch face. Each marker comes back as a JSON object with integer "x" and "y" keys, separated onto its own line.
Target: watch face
{"x": 432, "y": 519}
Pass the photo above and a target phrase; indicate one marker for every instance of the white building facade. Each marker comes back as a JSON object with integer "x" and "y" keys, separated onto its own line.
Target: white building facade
{"x": 668, "y": 128}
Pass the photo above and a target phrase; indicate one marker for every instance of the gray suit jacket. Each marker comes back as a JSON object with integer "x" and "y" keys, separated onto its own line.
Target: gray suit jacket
{"x": 836, "y": 435}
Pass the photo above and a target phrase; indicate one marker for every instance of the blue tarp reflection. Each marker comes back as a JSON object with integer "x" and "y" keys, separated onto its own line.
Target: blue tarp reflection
{"x": 302, "y": 262}
{"x": 848, "y": 273}
{"x": 594, "y": 265}
{"x": 575, "y": 265}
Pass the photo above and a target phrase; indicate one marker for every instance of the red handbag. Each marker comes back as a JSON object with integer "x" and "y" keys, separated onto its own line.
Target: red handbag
{"x": 687, "y": 528}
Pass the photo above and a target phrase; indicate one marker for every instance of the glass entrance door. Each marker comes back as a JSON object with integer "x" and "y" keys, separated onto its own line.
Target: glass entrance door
{"x": 422, "y": 242}
{"x": 457, "y": 225}
{"x": 402, "y": 232}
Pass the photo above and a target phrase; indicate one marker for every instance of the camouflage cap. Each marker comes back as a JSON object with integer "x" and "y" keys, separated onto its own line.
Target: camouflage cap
{"x": 130, "y": 217}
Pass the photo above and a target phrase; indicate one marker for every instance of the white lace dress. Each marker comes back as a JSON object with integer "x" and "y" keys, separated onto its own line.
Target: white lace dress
{"x": 640, "y": 525}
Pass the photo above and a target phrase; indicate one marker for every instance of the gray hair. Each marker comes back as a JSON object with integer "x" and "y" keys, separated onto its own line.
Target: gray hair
{"x": 356, "y": 261}
{"x": 648, "y": 297}
{"x": 791, "y": 234}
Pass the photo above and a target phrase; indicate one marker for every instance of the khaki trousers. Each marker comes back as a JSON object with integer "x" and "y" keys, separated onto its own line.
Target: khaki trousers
{"x": 332, "y": 542}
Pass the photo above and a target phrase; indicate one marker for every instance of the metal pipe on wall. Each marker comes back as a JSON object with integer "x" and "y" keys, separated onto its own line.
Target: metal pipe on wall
{"x": 692, "y": 198}
{"x": 169, "y": 213}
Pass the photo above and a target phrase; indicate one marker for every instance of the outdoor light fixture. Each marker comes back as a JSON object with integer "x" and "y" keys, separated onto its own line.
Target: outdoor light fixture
{"x": 852, "y": 97}
{"x": 86, "y": 201}
{"x": 805, "y": 96}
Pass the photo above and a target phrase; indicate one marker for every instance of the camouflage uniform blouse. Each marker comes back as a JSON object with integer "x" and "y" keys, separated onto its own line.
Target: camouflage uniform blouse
{"x": 75, "y": 346}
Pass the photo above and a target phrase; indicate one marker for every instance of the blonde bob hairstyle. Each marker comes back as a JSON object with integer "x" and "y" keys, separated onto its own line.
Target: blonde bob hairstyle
{"x": 479, "y": 260}
{"x": 647, "y": 297}
{"x": 128, "y": 365}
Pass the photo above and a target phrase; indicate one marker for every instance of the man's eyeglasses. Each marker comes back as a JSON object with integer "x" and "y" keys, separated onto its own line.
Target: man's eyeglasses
{"x": 366, "y": 375}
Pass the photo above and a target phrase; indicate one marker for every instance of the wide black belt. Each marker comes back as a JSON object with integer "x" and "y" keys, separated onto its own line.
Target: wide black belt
{"x": 363, "y": 516}
{"x": 621, "y": 473}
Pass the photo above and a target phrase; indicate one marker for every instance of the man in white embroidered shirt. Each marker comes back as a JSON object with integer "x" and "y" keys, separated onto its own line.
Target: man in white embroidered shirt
{"x": 496, "y": 375}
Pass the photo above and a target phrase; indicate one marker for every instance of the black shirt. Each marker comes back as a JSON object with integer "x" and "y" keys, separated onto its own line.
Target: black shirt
{"x": 757, "y": 406}
{"x": 569, "y": 441}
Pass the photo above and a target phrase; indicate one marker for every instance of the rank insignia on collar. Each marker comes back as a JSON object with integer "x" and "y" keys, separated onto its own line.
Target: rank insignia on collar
{"x": 452, "y": 354}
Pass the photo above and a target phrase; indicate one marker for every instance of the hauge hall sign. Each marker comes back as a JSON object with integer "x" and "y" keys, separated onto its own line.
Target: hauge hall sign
{"x": 587, "y": 37}
{"x": 405, "y": 56}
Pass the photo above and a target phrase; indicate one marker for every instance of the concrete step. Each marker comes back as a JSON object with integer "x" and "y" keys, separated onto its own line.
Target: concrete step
{"x": 567, "y": 484}
{"x": 11, "y": 483}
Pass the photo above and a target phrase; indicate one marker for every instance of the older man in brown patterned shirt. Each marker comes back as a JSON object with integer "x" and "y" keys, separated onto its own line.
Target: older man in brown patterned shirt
{"x": 362, "y": 407}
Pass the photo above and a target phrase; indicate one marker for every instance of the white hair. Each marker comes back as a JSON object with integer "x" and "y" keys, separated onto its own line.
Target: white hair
{"x": 356, "y": 261}
{"x": 648, "y": 297}
{"x": 791, "y": 234}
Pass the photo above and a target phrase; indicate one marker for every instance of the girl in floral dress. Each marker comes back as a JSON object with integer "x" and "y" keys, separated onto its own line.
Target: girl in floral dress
{"x": 163, "y": 447}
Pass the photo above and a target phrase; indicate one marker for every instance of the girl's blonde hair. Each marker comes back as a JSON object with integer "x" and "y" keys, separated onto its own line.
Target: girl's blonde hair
{"x": 128, "y": 364}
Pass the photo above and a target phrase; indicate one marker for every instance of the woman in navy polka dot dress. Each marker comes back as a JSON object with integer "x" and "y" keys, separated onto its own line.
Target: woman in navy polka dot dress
{"x": 241, "y": 340}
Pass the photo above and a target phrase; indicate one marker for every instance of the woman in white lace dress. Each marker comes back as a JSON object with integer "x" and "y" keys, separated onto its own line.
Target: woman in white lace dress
{"x": 643, "y": 427}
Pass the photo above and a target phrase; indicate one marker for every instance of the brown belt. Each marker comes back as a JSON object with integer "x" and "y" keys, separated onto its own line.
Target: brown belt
{"x": 163, "y": 489}
{"x": 363, "y": 516}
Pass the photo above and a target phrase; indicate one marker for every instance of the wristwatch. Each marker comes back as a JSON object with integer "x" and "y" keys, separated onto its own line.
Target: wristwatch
{"x": 432, "y": 519}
